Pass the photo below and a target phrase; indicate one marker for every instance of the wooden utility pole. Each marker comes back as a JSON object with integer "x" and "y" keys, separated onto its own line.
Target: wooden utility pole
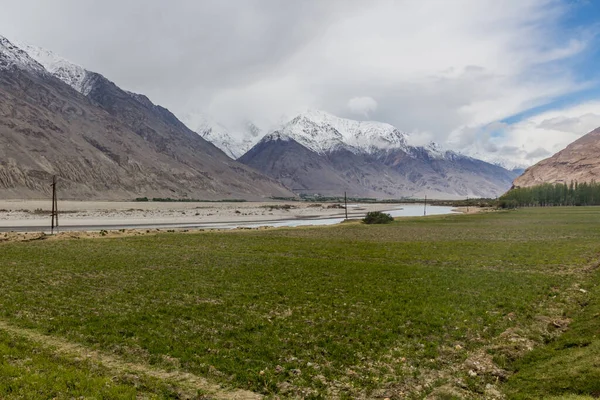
{"x": 425, "y": 207}
{"x": 54, "y": 213}
{"x": 346, "y": 204}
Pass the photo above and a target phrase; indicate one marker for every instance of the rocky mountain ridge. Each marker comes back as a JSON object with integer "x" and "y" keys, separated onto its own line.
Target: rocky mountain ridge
{"x": 72, "y": 74}
{"x": 12, "y": 56}
{"x": 578, "y": 162}
{"x": 103, "y": 142}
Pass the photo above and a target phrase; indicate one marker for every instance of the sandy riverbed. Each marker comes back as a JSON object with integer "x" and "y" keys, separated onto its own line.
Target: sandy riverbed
{"x": 36, "y": 213}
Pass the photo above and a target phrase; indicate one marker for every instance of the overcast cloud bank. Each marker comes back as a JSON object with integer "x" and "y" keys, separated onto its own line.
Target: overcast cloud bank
{"x": 449, "y": 71}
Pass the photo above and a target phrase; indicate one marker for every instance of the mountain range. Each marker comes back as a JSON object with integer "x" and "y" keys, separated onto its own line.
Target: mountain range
{"x": 57, "y": 118}
{"x": 317, "y": 152}
{"x": 105, "y": 142}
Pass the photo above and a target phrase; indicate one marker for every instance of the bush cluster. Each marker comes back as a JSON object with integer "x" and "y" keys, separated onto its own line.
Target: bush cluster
{"x": 377, "y": 217}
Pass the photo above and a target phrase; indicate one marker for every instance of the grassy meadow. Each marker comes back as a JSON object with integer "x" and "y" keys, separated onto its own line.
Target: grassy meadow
{"x": 491, "y": 305}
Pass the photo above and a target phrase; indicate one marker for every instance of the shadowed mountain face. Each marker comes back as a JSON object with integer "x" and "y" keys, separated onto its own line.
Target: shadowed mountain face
{"x": 110, "y": 144}
{"x": 387, "y": 173}
{"x": 578, "y": 162}
{"x": 297, "y": 167}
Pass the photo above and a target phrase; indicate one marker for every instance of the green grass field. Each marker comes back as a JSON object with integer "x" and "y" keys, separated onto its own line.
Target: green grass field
{"x": 449, "y": 307}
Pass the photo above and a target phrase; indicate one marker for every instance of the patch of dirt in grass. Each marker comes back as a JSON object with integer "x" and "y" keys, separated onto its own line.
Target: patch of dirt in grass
{"x": 8, "y": 237}
{"x": 474, "y": 210}
{"x": 34, "y": 236}
{"x": 481, "y": 363}
{"x": 188, "y": 385}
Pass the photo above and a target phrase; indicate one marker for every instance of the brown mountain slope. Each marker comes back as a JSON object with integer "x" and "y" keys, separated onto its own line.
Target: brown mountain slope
{"x": 579, "y": 162}
{"x": 110, "y": 145}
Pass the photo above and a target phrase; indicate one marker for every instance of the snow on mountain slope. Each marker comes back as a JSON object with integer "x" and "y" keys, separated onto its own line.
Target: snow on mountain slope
{"x": 496, "y": 160}
{"x": 302, "y": 155}
{"x": 322, "y": 133}
{"x": 218, "y": 135}
{"x": 13, "y": 55}
{"x": 233, "y": 142}
{"x": 82, "y": 80}
{"x": 435, "y": 151}
{"x": 72, "y": 74}
{"x": 319, "y": 132}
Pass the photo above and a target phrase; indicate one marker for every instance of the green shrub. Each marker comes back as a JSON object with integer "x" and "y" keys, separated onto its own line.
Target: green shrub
{"x": 376, "y": 217}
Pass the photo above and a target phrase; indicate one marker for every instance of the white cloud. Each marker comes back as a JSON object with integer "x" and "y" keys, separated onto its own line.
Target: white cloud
{"x": 435, "y": 66}
{"x": 264, "y": 102}
{"x": 569, "y": 124}
{"x": 362, "y": 106}
{"x": 446, "y": 68}
{"x": 420, "y": 138}
{"x": 532, "y": 139}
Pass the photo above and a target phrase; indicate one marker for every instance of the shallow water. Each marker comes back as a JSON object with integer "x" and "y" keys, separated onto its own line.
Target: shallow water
{"x": 412, "y": 210}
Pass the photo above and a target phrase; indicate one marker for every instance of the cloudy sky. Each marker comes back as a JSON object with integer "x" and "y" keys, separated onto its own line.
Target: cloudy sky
{"x": 510, "y": 79}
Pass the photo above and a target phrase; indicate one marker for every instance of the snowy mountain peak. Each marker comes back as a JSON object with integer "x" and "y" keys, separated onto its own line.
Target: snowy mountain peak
{"x": 11, "y": 55}
{"x": 276, "y": 135}
{"x": 322, "y": 132}
{"x": 233, "y": 142}
{"x": 218, "y": 135}
{"x": 72, "y": 74}
{"x": 505, "y": 163}
{"x": 435, "y": 151}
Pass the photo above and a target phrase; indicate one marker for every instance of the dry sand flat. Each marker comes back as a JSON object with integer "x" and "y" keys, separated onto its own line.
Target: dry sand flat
{"x": 82, "y": 213}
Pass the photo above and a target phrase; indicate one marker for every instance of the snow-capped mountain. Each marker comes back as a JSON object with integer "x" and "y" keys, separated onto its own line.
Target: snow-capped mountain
{"x": 502, "y": 162}
{"x": 484, "y": 151}
{"x": 322, "y": 132}
{"x": 319, "y": 131}
{"x": 234, "y": 142}
{"x": 12, "y": 55}
{"x": 315, "y": 151}
{"x": 325, "y": 133}
{"x": 318, "y": 152}
{"x": 218, "y": 135}
{"x": 72, "y": 74}
{"x": 505, "y": 163}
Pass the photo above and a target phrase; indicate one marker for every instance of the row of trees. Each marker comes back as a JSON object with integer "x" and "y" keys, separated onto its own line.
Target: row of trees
{"x": 548, "y": 194}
